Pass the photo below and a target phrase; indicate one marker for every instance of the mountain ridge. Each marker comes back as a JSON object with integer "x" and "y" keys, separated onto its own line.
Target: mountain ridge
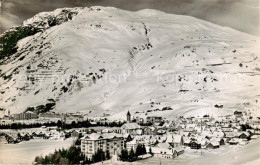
{"x": 136, "y": 48}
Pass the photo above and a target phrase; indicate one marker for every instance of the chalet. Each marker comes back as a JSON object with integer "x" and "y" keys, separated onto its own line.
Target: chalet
{"x": 164, "y": 153}
{"x": 254, "y": 137}
{"x": 243, "y": 142}
{"x": 233, "y": 141}
{"x": 164, "y": 145}
{"x": 213, "y": 145}
{"x": 24, "y": 137}
{"x": 150, "y": 131}
{"x": 186, "y": 141}
{"x": 244, "y": 135}
{"x": 230, "y": 135}
{"x": 194, "y": 145}
{"x": 175, "y": 140}
{"x": 238, "y": 113}
{"x": 256, "y": 132}
{"x": 250, "y": 131}
{"x": 179, "y": 150}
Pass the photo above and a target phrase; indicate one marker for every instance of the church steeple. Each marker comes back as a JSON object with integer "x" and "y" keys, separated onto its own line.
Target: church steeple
{"x": 128, "y": 116}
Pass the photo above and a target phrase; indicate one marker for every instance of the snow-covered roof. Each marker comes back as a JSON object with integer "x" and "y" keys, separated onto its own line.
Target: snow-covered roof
{"x": 174, "y": 138}
{"x": 97, "y": 136}
{"x": 164, "y": 151}
{"x": 214, "y": 143}
{"x": 245, "y": 133}
{"x": 164, "y": 145}
{"x": 131, "y": 126}
{"x": 178, "y": 149}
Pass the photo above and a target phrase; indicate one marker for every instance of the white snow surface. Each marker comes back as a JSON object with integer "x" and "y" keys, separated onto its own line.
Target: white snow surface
{"x": 141, "y": 61}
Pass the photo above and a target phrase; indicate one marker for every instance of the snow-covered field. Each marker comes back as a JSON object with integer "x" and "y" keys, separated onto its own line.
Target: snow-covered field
{"x": 25, "y": 152}
{"x": 249, "y": 154}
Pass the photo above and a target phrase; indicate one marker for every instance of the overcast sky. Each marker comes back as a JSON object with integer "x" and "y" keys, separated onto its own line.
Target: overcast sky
{"x": 242, "y": 15}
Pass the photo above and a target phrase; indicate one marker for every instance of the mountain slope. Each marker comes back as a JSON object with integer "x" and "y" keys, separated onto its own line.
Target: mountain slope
{"x": 111, "y": 60}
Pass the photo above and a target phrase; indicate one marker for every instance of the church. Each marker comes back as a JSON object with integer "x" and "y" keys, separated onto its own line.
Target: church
{"x": 131, "y": 128}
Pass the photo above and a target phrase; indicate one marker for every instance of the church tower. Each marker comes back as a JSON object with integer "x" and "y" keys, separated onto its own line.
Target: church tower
{"x": 128, "y": 116}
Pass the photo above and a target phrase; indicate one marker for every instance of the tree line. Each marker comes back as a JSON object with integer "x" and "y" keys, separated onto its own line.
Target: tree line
{"x": 73, "y": 155}
{"x": 62, "y": 125}
{"x": 132, "y": 155}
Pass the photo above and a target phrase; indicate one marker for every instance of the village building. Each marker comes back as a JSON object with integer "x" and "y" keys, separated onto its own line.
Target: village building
{"x": 175, "y": 140}
{"x": 194, "y": 145}
{"x": 164, "y": 145}
{"x": 254, "y": 137}
{"x": 112, "y": 142}
{"x": 167, "y": 153}
{"x": 161, "y": 132}
{"x": 25, "y": 116}
{"x": 153, "y": 119}
{"x": 52, "y": 116}
{"x": 243, "y": 135}
{"x": 186, "y": 141}
{"x": 150, "y": 130}
{"x": 130, "y": 128}
{"x": 213, "y": 145}
{"x": 238, "y": 113}
{"x": 132, "y": 145}
{"x": 233, "y": 141}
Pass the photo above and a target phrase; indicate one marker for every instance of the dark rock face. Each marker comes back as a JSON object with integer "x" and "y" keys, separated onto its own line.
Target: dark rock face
{"x": 9, "y": 39}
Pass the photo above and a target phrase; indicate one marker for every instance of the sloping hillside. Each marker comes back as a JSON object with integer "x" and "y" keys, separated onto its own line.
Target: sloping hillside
{"x": 149, "y": 62}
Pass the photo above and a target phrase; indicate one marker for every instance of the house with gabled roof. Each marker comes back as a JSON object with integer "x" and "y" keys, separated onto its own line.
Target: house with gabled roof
{"x": 130, "y": 128}
{"x": 213, "y": 145}
{"x": 167, "y": 153}
{"x": 175, "y": 140}
{"x": 195, "y": 145}
{"x": 243, "y": 135}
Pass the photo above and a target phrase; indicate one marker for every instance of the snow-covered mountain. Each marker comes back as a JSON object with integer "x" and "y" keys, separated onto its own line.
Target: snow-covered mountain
{"x": 102, "y": 59}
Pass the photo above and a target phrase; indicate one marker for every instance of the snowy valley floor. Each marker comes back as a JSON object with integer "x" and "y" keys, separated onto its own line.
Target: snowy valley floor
{"x": 25, "y": 152}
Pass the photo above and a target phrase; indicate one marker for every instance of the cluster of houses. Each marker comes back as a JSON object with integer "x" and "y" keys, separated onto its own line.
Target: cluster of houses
{"x": 168, "y": 139}
{"x": 163, "y": 138}
{"x": 50, "y": 133}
